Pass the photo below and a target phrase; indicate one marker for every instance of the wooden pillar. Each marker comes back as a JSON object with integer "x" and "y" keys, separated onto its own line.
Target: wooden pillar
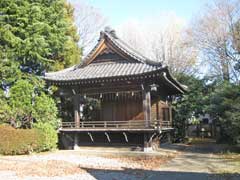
{"x": 76, "y": 107}
{"x": 170, "y": 114}
{"x": 157, "y": 111}
{"x": 146, "y": 96}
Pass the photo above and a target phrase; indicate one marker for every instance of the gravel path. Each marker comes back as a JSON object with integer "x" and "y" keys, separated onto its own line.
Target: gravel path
{"x": 168, "y": 164}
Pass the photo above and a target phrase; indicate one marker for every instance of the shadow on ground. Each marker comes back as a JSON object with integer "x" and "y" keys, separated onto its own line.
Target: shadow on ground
{"x": 140, "y": 174}
{"x": 202, "y": 146}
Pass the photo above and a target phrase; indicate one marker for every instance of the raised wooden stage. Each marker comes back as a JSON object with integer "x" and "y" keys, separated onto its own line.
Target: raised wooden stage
{"x": 131, "y": 125}
{"x": 138, "y": 133}
{"x": 115, "y": 83}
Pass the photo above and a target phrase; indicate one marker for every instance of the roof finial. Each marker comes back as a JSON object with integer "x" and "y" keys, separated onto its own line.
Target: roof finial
{"x": 110, "y": 31}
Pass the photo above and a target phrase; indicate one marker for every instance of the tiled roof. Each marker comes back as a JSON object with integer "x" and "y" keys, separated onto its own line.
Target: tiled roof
{"x": 101, "y": 70}
{"x": 139, "y": 65}
{"x": 85, "y": 71}
{"x": 110, "y": 35}
{"x": 129, "y": 50}
{"x": 129, "y": 63}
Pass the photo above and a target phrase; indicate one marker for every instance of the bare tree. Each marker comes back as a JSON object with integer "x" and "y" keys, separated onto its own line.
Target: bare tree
{"x": 163, "y": 39}
{"x": 89, "y": 21}
{"x": 213, "y": 33}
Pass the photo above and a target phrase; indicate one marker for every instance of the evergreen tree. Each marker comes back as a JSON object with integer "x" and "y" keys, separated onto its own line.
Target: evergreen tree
{"x": 221, "y": 100}
{"x": 191, "y": 104}
{"x": 225, "y": 108}
{"x": 35, "y": 36}
{"x": 39, "y": 35}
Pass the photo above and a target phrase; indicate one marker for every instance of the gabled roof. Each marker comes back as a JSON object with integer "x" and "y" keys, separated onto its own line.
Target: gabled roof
{"x": 130, "y": 62}
{"x": 111, "y": 58}
{"x": 101, "y": 70}
{"x": 108, "y": 38}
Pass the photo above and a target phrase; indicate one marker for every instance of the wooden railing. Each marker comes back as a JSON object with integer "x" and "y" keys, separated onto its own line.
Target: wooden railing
{"x": 131, "y": 124}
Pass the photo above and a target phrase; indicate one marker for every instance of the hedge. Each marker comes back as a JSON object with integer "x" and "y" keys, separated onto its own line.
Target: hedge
{"x": 24, "y": 141}
{"x": 49, "y": 135}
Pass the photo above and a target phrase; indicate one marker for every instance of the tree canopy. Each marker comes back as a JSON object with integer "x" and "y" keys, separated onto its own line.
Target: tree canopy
{"x": 224, "y": 106}
{"x": 38, "y": 35}
{"x": 220, "y": 99}
{"x": 35, "y": 36}
{"x": 190, "y": 105}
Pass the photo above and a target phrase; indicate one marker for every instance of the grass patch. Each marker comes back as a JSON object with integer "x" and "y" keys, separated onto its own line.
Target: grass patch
{"x": 194, "y": 141}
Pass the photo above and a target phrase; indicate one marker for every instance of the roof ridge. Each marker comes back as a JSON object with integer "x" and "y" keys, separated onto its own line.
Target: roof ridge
{"x": 125, "y": 44}
{"x": 72, "y": 68}
{"x": 120, "y": 44}
{"x": 107, "y": 63}
{"x": 111, "y": 34}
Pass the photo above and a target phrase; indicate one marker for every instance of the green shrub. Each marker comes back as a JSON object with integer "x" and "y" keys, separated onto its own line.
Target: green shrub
{"x": 24, "y": 141}
{"x": 21, "y": 97}
{"x": 27, "y": 102}
{"x": 45, "y": 110}
{"x": 49, "y": 135}
{"x": 5, "y": 110}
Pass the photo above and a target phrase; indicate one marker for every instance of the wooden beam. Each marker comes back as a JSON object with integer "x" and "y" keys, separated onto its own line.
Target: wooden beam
{"x": 112, "y": 130}
{"x": 110, "y": 88}
{"x": 97, "y": 51}
{"x": 146, "y": 96}
{"x": 125, "y": 136}
{"x": 108, "y": 138}
{"x": 91, "y": 137}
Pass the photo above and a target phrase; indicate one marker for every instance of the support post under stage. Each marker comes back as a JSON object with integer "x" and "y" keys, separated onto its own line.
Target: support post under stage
{"x": 147, "y": 144}
{"x": 146, "y": 97}
{"x": 76, "y": 146}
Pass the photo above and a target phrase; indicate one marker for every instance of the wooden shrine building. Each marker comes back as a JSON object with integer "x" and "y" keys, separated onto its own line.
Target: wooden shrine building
{"x": 133, "y": 91}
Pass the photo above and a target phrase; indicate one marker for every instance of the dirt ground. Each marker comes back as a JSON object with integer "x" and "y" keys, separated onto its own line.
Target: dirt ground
{"x": 198, "y": 161}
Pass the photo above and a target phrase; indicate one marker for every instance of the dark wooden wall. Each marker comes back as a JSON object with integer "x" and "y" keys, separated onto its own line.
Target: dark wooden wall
{"x": 121, "y": 110}
{"x": 131, "y": 110}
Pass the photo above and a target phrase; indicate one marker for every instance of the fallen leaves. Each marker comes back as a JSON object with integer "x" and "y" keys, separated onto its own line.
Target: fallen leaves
{"x": 49, "y": 168}
{"x": 148, "y": 162}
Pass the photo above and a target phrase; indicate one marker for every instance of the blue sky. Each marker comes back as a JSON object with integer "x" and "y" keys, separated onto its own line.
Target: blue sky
{"x": 120, "y": 11}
